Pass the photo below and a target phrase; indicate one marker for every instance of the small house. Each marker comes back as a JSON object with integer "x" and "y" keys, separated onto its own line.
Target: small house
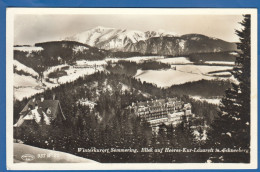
{"x": 41, "y": 111}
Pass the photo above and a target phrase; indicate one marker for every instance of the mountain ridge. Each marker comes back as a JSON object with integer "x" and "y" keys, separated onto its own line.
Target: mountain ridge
{"x": 112, "y": 38}
{"x": 151, "y": 42}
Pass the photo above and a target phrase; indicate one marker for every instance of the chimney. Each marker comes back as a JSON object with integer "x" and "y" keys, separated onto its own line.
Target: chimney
{"x": 42, "y": 99}
{"x": 53, "y": 97}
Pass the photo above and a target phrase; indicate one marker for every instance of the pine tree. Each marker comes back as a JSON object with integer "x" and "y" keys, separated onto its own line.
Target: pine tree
{"x": 232, "y": 128}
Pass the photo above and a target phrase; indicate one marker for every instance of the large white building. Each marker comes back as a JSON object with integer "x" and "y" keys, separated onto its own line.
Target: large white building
{"x": 163, "y": 111}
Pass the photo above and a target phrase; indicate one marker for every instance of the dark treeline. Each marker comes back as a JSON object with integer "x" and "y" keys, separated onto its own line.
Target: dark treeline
{"x": 58, "y": 72}
{"x": 67, "y": 51}
{"x": 232, "y": 127}
{"x": 203, "y": 109}
{"x": 121, "y": 54}
{"x": 217, "y": 56}
{"x": 130, "y": 68}
{"x": 204, "y": 88}
{"x": 21, "y": 72}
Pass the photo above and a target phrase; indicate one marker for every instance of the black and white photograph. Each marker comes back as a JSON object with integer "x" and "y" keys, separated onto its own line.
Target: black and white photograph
{"x": 108, "y": 87}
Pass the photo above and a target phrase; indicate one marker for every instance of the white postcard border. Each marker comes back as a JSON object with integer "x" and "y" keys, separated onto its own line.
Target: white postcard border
{"x": 11, "y": 12}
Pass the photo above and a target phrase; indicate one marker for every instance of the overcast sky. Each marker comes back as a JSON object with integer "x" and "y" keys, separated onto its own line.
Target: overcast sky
{"x": 30, "y": 29}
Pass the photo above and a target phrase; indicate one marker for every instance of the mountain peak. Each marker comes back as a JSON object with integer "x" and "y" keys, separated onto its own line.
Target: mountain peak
{"x": 102, "y": 28}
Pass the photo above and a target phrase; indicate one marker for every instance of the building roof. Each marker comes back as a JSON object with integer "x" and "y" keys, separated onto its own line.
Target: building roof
{"x": 48, "y": 108}
{"x": 152, "y": 103}
{"x": 53, "y": 105}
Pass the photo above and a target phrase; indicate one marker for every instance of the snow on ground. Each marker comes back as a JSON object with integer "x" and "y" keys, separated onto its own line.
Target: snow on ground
{"x": 20, "y": 66}
{"x": 182, "y": 44}
{"x": 167, "y": 78}
{"x": 200, "y": 136}
{"x": 201, "y": 69}
{"x": 144, "y": 58}
{"x": 162, "y": 78}
{"x": 75, "y": 73}
{"x": 113, "y": 60}
{"x": 28, "y": 49}
{"x": 52, "y": 69}
{"x": 26, "y": 86}
{"x": 212, "y": 101}
{"x": 79, "y": 48}
{"x": 175, "y": 60}
{"x": 125, "y": 87}
{"x": 21, "y": 151}
{"x": 220, "y": 74}
{"x": 133, "y": 35}
{"x": 91, "y": 63}
{"x": 23, "y": 92}
{"x": 233, "y": 53}
{"x": 24, "y": 81}
{"x": 86, "y": 102}
{"x": 182, "y": 74}
{"x": 219, "y": 62}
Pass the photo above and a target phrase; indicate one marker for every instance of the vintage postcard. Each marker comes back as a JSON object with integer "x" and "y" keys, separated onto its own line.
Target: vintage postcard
{"x": 127, "y": 88}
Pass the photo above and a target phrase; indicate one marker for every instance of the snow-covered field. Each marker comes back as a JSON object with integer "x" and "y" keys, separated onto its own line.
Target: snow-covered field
{"x": 233, "y": 53}
{"x": 220, "y": 62}
{"x": 91, "y": 63}
{"x": 52, "y": 69}
{"x": 24, "y": 81}
{"x": 212, "y": 101}
{"x": 201, "y": 69}
{"x": 75, "y": 73}
{"x": 28, "y": 49}
{"x": 167, "y": 78}
{"x": 182, "y": 74}
{"x": 21, "y": 67}
{"x": 40, "y": 155}
{"x": 175, "y": 60}
{"x": 23, "y": 92}
{"x": 26, "y": 86}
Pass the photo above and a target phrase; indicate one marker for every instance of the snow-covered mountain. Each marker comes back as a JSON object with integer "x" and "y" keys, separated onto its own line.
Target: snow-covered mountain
{"x": 151, "y": 42}
{"x": 183, "y": 45}
{"x": 115, "y": 39}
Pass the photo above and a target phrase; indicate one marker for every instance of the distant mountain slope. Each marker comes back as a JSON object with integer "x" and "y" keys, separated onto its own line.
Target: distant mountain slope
{"x": 114, "y": 39}
{"x": 184, "y": 45}
{"x": 56, "y": 53}
{"x": 151, "y": 42}
{"x": 22, "y": 69}
{"x": 68, "y": 50}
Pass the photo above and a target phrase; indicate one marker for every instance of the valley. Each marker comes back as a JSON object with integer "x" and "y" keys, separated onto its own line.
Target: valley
{"x": 182, "y": 71}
